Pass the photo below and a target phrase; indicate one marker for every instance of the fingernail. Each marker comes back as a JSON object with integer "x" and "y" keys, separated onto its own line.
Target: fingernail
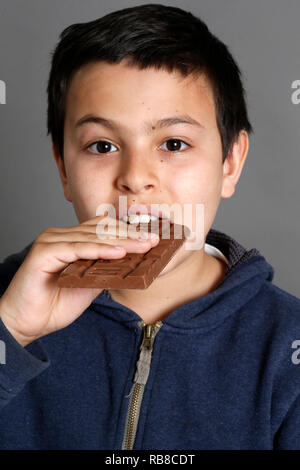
{"x": 144, "y": 235}
{"x": 142, "y": 239}
{"x": 154, "y": 236}
{"x": 148, "y": 235}
{"x": 118, "y": 247}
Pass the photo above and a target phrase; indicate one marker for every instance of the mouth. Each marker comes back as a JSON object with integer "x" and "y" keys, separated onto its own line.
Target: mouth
{"x": 141, "y": 214}
{"x": 140, "y": 218}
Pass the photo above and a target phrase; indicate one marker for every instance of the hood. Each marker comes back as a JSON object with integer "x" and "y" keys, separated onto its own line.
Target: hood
{"x": 247, "y": 272}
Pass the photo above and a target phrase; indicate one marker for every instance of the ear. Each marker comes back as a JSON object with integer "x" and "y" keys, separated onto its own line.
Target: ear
{"x": 62, "y": 172}
{"x": 233, "y": 165}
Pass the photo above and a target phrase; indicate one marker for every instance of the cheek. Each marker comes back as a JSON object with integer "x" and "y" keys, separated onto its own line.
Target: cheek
{"x": 199, "y": 184}
{"x": 87, "y": 191}
{"x": 211, "y": 195}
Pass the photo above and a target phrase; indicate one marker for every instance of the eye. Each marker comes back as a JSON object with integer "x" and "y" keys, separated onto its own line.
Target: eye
{"x": 101, "y": 146}
{"x": 173, "y": 145}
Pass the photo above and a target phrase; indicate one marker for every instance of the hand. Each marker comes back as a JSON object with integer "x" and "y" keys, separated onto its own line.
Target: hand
{"x": 33, "y": 305}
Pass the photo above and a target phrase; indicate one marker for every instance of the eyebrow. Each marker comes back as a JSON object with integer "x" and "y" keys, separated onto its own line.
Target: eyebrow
{"x": 149, "y": 125}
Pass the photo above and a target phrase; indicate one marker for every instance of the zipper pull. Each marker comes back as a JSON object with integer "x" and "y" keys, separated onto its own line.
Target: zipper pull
{"x": 148, "y": 337}
{"x": 143, "y": 364}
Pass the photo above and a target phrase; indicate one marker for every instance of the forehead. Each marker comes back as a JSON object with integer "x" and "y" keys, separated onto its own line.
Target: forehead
{"x": 124, "y": 90}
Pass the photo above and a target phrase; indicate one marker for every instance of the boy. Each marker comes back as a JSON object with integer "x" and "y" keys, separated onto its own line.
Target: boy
{"x": 204, "y": 358}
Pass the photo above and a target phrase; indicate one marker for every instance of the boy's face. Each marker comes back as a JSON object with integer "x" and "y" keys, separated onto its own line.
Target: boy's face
{"x": 136, "y": 158}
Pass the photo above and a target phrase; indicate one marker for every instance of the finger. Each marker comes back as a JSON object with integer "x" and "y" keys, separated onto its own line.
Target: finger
{"x": 136, "y": 245}
{"x": 123, "y": 232}
{"x": 98, "y": 218}
{"x": 51, "y": 258}
{"x": 90, "y": 225}
{"x": 111, "y": 233}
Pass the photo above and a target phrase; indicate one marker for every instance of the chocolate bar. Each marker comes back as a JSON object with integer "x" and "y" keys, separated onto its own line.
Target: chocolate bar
{"x": 134, "y": 270}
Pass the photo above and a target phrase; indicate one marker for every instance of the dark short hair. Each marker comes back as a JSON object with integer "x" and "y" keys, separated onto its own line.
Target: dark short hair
{"x": 150, "y": 35}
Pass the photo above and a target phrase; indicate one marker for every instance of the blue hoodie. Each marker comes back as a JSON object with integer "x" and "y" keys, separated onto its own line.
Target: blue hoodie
{"x": 219, "y": 372}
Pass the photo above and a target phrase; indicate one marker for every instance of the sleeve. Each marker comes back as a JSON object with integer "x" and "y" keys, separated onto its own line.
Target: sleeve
{"x": 18, "y": 365}
{"x": 9, "y": 267}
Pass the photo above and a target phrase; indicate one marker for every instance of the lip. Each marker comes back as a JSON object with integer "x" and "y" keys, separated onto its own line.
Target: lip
{"x": 141, "y": 209}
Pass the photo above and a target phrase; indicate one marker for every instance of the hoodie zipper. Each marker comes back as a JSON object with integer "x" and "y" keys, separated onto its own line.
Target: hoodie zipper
{"x": 139, "y": 382}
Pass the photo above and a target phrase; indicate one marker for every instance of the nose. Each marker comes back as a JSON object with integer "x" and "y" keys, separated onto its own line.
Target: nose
{"x": 137, "y": 174}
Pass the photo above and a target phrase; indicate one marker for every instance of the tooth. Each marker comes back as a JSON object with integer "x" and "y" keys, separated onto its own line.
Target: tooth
{"x": 134, "y": 219}
{"x": 139, "y": 218}
{"x": 145, "y": 218}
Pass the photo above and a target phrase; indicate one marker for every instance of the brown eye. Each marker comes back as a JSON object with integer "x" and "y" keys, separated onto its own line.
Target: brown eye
{"x": 101, "y": 146}
{"x": 174, "y": 145}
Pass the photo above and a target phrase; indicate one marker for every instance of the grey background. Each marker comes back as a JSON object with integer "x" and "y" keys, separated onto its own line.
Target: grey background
{"x": 263, "y": 36}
